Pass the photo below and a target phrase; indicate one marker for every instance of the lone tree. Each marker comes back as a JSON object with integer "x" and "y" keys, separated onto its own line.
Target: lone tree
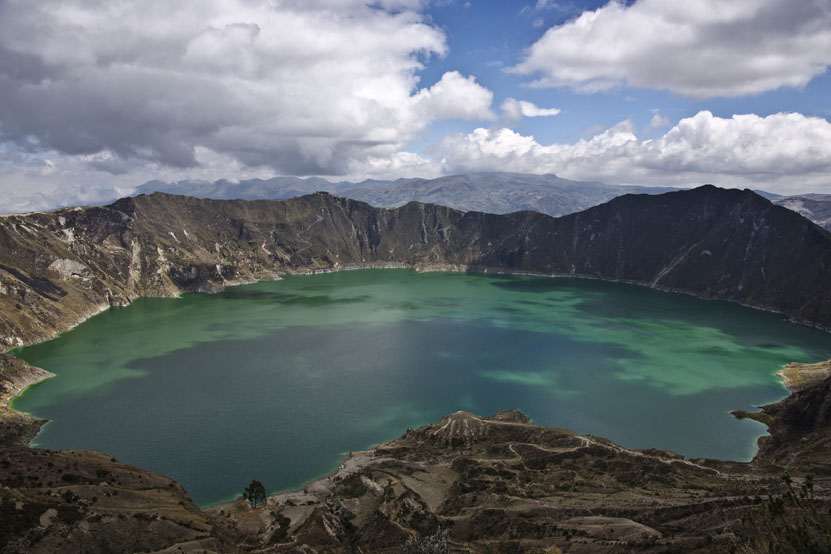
{"x": 254, "y": 493}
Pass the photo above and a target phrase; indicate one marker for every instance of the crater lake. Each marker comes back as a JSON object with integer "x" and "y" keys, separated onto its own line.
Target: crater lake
{"x": 278, "y": 381}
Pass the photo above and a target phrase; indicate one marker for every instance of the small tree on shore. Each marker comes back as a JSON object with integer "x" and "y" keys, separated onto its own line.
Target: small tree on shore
{"x": 254, "y": 493}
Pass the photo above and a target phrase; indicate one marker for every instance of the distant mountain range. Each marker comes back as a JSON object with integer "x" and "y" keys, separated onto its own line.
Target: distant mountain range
{"x": 277, "y": 188}
{"x": 816, "y": 207}
{"x": 483, "y": 192}
{"x": 497, "y": 193}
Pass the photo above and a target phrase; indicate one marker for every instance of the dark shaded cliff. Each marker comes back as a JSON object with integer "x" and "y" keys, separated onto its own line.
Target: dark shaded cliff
{"x": 58, "y": 268}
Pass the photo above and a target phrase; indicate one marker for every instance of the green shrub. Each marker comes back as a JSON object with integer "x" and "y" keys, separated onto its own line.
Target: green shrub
{"x": 351, "y": 486}
{"x": 435, "y": 544}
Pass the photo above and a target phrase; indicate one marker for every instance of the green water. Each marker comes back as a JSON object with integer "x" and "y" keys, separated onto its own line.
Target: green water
{"x": 276, "y": 381}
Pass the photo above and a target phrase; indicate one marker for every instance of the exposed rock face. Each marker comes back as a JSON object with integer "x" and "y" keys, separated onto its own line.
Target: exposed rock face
{"x": 60, "y": 267}
{"x": 797, "y": 376}
{"x": 15, "y": 375}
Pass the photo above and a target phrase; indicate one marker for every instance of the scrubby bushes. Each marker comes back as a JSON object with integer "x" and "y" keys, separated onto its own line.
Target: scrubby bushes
{"x": 795, "y": 522}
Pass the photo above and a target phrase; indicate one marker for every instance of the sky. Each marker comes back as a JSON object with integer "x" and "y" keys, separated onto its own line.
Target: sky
{"x": 98, "y": 97}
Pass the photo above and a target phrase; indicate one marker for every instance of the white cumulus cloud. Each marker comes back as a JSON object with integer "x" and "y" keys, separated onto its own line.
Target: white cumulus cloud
{"x": 456, "y": 96}
{"x": 784, "y": 152}
{"x": 516, "y": 109}
{"x": 659, "y": 120}
{"x": 300, "y": 87}
{"x": 702, "y": 49}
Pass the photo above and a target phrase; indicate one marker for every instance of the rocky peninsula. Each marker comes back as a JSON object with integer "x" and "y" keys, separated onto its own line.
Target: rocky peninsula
{"x": 797, "y": 376}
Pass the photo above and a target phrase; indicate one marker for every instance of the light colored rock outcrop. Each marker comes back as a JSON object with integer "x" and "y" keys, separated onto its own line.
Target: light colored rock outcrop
{"x": 68, "y": 268}
{"x": 797, "y": 376}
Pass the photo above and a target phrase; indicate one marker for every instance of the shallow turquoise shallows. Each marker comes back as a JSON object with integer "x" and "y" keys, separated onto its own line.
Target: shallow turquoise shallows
{"x": 276, "y": 381}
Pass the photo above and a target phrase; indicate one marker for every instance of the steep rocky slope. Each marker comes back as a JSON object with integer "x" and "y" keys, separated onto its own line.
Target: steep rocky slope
{"x": 58, "y": 268}
{"x": 799, "y": 427}
{"x": 79, "y": 501}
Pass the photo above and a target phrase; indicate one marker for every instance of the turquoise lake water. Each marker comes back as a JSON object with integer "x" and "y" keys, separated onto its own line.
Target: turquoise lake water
{"x": 276, "y": 381}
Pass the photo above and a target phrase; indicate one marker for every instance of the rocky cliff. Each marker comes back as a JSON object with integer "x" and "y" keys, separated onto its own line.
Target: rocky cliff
{"x": 58, "y": 268}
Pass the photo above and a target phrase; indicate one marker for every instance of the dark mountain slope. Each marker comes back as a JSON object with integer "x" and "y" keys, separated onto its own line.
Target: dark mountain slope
{"x": 725, "y": 244}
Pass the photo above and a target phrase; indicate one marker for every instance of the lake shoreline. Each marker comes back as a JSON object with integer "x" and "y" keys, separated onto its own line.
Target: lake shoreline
{"x": 441, "y": 268}
{"x": 213, "y": 288}
{"x": 420, "y": 268}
